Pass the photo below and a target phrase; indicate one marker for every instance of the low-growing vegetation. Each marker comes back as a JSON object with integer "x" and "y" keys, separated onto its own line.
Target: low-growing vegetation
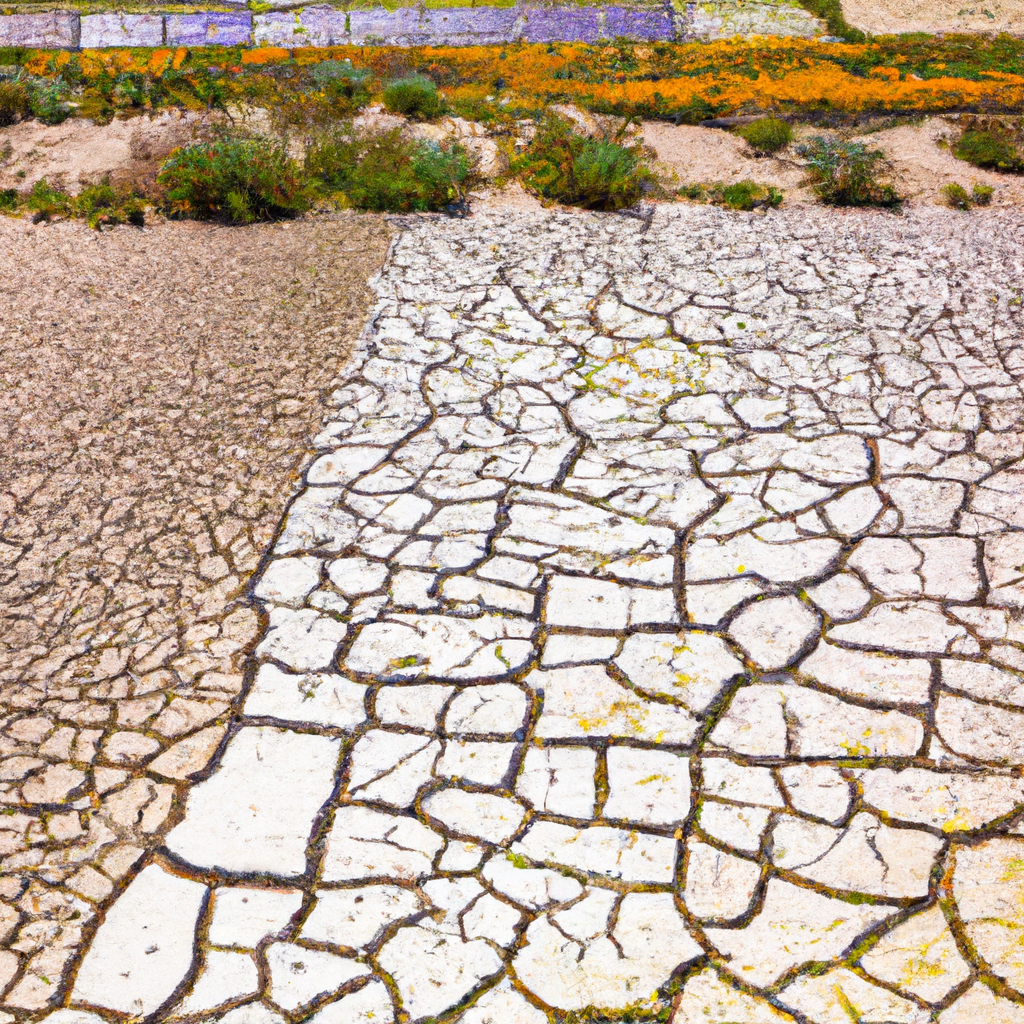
{"x": 236, "y": 180}
{"x": 102, "y": 205}
{"x": 959, "y": 198}
{"x": 415, "y": 96}
{"x": 767, "y": 135}
{"x": 603, "y": 173}
{"x": 989, "y": 150}
{"x": 15, "y": 103}
{"x": 844, "y": 173}
{"x": 389, "y": 172}
{"x": 743, "y": 195}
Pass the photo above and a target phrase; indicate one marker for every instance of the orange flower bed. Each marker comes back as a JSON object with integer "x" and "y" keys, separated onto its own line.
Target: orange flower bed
{"x": 668, "y": 80}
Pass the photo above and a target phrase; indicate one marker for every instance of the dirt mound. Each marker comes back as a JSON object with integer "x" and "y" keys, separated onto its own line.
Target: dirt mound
{"x": 79, "y": 152}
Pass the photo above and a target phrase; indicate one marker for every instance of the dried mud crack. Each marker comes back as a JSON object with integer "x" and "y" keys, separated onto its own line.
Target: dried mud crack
{"x": 645, "y": 642}
{"x": 158, "y": 390}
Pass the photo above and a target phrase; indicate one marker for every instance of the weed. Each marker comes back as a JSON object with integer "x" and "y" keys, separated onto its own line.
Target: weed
{"x": 47, "y": 202}
{"x": 48, "y": 101}
{"x": 237, "y": 180}
{"x": 15, "y": 103}
{"x": 982, "y": 194}
{"x": 104, "y": 206}
{"x": 742, "y": 195}
{"x": 960, "y": 199}
{"x": 389, "y": 172}
{"x": 415, "y": 96}
{"x": 8, "y": 199}
{"x": 956, "y": 196}
{"x": 847, "y": 173}
{"x": 990, "y": 151}
{"x": 766, "y": 135}
{"x": 594, "y": 173}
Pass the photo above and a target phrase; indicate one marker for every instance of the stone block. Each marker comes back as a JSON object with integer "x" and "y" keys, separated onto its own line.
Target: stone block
{"x": 207, "y": 28}
{"x": 647, "y": 24}
{"x": 562, "y": 24}
{"x": 453, "y": 26}
{"x": 55, "y": 30}
{"x": 100, "y": 31}
{"x": 724, "y": 20}
{"x": 314, "y": 26}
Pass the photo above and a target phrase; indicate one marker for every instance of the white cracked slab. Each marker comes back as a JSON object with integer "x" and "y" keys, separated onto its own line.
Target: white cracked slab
{"x": 655, "y": 594}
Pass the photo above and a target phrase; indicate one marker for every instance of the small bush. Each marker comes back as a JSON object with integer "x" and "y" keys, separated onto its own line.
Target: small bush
{"x": 766, "y": 135}
{"x": 982, "y": 194}
{"x": 328, "y": 71}
{"x": 47, "y": 202}
{"x": 15, "y": 103}
{"x": 237, "y": 180}
{"x": 104, "y": 206}
{"x": 415, "y": 96}
{"x": 989, "y": 151}
{"x": 8, "y": 199}
{"x": 49, "y": 102}
{"x": 743, "y": 195}
{"x": 960, "y": 199}
{"x": 341, "y": 82}
{"x": 594, "y": 173}
{"x": 956, "y": 196}
{"x": 847, "y": 173}
{"x": 389, "y": 172}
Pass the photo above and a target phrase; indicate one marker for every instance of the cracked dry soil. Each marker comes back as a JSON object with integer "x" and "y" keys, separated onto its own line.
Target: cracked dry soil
{"x": 158, "y": 390}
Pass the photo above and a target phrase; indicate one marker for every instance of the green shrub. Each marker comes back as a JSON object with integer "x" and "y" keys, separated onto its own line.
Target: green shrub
{"x": 749, "y": 195}
{"x": 49, "y": 101}
{"x": 341, "y": 81}
{"x": 328, "y": 71}
{"x": 237, "y": 180}
{"x": 129, "y": 90}
{"x": 743, "y": 195}
{"x": 415, "y": 96}
{"x": 989, "y": 151}
{"x": 15, "y": 103}
{"x": 47, "y": 202}
{"x": 982, "y": 194}
{"x": 389, "y": 172}
{"x": 766, "y": 135}
{"x": 960, "y": 199}
{"x": 594, "y": 173}
{"x": 847, "y": 173}
{"x": 8, "y": 199}
{"x": 104, "y": 206}
{"x": 956, "y": 196}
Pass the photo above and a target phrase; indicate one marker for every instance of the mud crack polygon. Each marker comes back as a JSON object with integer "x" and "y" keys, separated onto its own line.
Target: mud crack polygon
{"x": 647, "y": 639}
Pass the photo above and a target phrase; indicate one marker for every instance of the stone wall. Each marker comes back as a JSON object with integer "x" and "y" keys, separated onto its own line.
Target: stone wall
{"x": 412, "y": 26}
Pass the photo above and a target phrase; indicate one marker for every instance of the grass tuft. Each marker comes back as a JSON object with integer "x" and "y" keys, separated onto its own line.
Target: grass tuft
{"x": 236, "y": 180}
{"x": 767, "y": 135}
{"x": 593, "y": 173}
{"x": 847, "y": 173}
{"x": 415, "y": 96}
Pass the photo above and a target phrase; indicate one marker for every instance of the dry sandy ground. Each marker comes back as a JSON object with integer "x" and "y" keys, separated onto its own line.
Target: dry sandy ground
{"x": 920, "y": 165}
{"x": 885, "y": 17}
{"x": 158, "y": 391}
{"x": 80, "y": 152}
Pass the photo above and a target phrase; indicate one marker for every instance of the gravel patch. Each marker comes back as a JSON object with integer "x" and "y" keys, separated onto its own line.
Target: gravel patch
{"x": 158, "y": 390}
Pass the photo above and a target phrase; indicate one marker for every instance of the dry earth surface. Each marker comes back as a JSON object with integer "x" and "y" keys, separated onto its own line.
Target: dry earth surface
{"x": 158, "y": 390}
{"x": 892, "y": 17}
{"x": 646, "y": 639}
